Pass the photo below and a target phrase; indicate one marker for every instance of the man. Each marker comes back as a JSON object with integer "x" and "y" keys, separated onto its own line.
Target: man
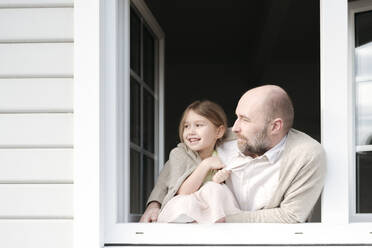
{"x": 277, "y": 173}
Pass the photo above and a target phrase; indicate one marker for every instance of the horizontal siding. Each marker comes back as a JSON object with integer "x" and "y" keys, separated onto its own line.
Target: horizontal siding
{"x": 36, "y": 59}
{"x": 35, "y": 3}
{"x": 36, "y": 201}
{"x": 36, "y": 134}
{"x": 36, "y": 95}
{"x": 36, "y": 166}
{"x": 43, "y": 24}
{"x": 36, "y": 130}
{"x": 36, "y": 233}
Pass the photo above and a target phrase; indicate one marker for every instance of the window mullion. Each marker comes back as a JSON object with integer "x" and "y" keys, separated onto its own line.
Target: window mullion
{"x": 335, "y": 111}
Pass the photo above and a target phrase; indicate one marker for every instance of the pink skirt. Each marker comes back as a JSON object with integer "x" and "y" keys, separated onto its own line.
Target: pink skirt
{"x": 209, "y": 204}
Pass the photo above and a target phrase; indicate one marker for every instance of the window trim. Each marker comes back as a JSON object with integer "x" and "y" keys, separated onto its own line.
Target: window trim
{"x": 335, "y": 228}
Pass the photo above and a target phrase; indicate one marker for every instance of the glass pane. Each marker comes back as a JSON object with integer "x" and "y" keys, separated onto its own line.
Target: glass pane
{"x": 363, "y": 82}
{"x": 148, "y": 58}
{"x": 148, "y": 178}
{"x": 135, "y": 112}
{"x": 364, "y": 182}
{"x": 135, "y": 182}
{"x": 135, "y": 42}
{"x": 364, "y": 113}
{"x": 148, "y": 121}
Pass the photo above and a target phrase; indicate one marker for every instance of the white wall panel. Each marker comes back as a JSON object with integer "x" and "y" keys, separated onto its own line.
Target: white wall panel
{"x": 35, "y": 3}
{"x": 33, "y": 24}
{"x": 36, "y": 130}
{"x": 36, "y": 59}
{"x": 36, "y": 165}
{"x": 36, "y": 94}
{"x": 36, "y": 233}
{"x": 36, "y": 201}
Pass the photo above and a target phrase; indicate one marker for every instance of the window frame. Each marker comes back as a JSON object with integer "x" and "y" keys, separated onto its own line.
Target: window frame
{"x": 354, "y": 8}
{"x": 335, "y": 85}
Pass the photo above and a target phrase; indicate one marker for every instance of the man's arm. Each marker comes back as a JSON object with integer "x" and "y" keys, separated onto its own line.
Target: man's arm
{"x": 298, "y": 200}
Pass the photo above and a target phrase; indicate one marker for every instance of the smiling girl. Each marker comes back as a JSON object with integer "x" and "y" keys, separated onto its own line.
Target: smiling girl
{"x": 198, "y": 193}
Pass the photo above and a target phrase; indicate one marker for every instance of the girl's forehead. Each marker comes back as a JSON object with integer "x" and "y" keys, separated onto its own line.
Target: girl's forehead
{"x": 193, "y": 116}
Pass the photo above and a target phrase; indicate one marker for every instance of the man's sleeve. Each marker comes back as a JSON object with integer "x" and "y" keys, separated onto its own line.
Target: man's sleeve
{"x": 298, "y": 200}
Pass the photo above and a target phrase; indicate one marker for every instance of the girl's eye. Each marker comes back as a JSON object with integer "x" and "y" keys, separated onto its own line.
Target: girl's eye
{"x": 186, "y": 126}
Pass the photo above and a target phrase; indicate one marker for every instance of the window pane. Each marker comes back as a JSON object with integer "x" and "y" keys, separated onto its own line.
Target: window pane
{"x": 364, "y": 182}
{"x": 364, "y": 113}
{"x": 148, "y": 178}
{"x": 148, "y": 121}
{"x": 135, "y": 42}
{"x": 363, "y": 122}
{"x": 135, "y": 182}
{"x": 135, "y": 112}
{"x": 148, "y": 58}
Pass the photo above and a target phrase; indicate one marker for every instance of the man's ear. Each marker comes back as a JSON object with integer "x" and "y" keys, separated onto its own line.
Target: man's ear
{"x": 277, "y": 126}
{"x": 220, "y": 131}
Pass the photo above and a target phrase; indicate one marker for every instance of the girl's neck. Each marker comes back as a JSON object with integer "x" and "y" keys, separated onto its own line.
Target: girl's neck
{"x": 206, "y": 153}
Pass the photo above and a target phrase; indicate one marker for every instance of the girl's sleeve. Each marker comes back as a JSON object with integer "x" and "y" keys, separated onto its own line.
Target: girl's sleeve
{"x": 161, "y": 187}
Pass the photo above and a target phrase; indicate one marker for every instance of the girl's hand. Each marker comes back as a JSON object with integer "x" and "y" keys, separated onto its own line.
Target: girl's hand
{"x": 213, "y": 163}
{"x": 221, "y": 176}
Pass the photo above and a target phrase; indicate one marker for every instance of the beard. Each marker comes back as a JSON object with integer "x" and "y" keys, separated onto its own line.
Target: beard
{"x": 259, "y": 145}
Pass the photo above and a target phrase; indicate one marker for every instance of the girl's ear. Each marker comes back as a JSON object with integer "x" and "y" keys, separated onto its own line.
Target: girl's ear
{"x": 220, "y": 131}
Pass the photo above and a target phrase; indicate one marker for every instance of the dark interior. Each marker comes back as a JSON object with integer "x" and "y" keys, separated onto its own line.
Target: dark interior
{"x": 218, "y": 49}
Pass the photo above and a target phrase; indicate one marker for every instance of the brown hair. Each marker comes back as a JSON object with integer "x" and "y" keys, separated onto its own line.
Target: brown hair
{"x": 208, "y": 109}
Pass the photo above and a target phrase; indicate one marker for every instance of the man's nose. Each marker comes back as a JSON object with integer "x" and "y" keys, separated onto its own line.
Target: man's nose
{"x": 236, "y": 127}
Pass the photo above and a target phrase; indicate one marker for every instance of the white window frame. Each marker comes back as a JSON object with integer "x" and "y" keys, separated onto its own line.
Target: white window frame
{"x": 354, "y": 8}
{"x": 96, "y": 141}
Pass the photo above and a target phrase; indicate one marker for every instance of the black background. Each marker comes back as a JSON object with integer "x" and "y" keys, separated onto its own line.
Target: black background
{"x": 218, "y": 49}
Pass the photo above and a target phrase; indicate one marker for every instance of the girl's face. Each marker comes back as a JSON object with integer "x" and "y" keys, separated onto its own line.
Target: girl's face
{"x": 200, "y": 134}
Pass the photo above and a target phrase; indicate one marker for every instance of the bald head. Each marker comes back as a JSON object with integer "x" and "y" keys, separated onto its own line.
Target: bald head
{"x": 273, "y": 102}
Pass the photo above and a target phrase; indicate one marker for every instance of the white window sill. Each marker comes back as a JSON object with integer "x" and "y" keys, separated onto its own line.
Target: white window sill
{"x": 242, "y": 234}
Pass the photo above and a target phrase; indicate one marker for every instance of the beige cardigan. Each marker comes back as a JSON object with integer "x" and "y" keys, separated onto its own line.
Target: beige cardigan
{"x": 301, "y": 180}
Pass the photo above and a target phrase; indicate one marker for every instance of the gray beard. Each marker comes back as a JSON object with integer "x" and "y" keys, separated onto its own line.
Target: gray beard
{"x": 259, "y": 147}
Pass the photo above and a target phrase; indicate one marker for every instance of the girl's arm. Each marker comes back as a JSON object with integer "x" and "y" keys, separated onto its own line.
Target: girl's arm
{"x": 195, "y": 180}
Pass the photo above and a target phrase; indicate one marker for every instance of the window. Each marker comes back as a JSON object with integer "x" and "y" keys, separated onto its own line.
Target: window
{"x": 143, "y": 109}
{"x": 362, "y": 83}
{"x": 141, "y": 149}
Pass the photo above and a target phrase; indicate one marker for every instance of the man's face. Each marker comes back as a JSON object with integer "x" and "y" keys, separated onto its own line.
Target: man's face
{"x": 251, "y": 127}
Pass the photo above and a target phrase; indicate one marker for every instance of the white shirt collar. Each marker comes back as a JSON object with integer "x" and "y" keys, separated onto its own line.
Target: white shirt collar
{"x": 274, "y": 153}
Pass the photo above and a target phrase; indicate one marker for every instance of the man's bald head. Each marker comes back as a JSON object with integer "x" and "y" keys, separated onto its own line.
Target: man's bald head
{"x": 273, "y": 102}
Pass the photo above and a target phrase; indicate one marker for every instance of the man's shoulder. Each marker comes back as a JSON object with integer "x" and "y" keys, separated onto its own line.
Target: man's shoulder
{"x": 227, "y": 150}
{"x": 300, "y": 142}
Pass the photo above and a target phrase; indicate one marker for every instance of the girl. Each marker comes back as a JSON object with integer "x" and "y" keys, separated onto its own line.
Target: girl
{"x": 192, "y": 178}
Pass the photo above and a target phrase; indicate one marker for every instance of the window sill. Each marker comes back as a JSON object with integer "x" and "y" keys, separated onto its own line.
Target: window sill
{"x": 241, "y": 234}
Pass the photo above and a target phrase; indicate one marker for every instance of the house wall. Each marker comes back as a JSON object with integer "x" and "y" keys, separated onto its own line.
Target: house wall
{"x": 36, "y": 123}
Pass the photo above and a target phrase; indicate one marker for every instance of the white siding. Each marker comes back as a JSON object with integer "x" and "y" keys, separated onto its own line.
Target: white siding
{"x": 30, "y": 24}
{"x": 23, "y": 95}
{"x": 36, "y": 120}
{"x": 36, "y": 201}
{"x": 36, "y": 233}
{"x": 36, "y": 165}
{"x": 36, "y": 59}
{"x": 36, "y": 130}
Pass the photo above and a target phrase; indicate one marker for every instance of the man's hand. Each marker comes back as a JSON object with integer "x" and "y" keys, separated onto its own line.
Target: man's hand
{"x": 221, "y": 176}
{"x": 151, "y": 213}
